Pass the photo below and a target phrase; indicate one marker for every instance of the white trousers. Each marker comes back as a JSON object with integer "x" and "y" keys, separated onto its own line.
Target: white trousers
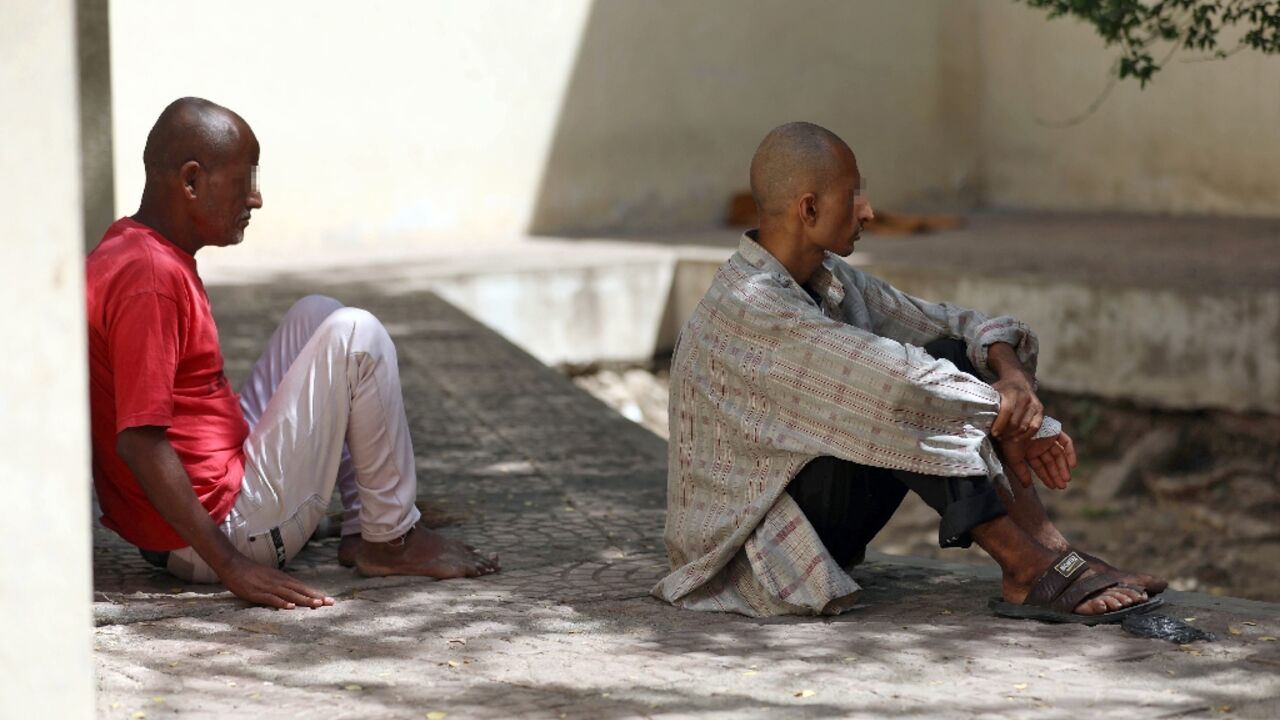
{"x": 324, "y": 406}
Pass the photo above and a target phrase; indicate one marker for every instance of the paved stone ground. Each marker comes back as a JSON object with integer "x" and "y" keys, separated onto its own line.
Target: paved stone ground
{"x": 515, "y": 458}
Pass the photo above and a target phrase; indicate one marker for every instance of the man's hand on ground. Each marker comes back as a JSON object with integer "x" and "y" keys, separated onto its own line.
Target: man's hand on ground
{"x": 268, "y": 586}
{"x": 1051, "y": 457}
{"x": 163, "y": 478}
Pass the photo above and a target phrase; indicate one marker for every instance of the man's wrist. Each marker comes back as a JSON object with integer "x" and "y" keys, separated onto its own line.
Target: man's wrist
{"x": 1003, "y": 362}
{"x": 222, "y": 555}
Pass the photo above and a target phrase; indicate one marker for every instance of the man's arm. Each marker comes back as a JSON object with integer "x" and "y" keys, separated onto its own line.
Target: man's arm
{"x": 906, "y": 319}
{"x": 1021, "y": 412}
{"x": 159, "y": 471}
{"x": 1020, "y": 418}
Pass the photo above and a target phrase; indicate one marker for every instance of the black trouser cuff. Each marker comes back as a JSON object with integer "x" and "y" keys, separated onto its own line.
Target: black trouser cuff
{"x": 964, "y": 514}
{"x": 963, "y": 503}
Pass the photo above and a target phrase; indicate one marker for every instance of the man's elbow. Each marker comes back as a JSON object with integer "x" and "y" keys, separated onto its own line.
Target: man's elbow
{"x": 134, "y": 443}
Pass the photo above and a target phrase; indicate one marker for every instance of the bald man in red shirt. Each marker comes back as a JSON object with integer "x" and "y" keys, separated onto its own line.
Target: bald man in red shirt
{"x": 215, "y": 486}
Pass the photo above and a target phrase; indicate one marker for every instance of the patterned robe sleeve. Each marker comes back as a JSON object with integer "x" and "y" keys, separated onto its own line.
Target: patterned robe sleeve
{"x": 897, "y": 315}
{"x": 842, "y": 391}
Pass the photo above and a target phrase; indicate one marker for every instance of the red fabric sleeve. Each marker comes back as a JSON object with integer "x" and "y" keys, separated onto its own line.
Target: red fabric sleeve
{"x": 143, "y": 338}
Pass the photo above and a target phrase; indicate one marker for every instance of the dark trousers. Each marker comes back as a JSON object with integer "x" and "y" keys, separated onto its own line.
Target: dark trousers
{"x": 848, "y": 503}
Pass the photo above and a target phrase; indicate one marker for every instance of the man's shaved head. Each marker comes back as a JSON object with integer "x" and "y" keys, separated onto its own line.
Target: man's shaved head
{"x": 192, "y": 128}
{"x": 793, "y": 159}
{"x": 202, "y": 175}
{"x": 808, "y": 190}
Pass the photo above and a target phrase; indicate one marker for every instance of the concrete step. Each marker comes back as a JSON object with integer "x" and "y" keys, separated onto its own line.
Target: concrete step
{"x": 1180, "y": 313}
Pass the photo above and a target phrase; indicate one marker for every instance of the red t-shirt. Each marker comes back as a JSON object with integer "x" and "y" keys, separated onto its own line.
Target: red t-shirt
{"x": 154, "y": 360}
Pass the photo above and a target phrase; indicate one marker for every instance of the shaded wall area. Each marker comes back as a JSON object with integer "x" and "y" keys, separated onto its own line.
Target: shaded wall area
{"x": 93, "y": 51}
{"x": 402, "y": 124}
{"x": 953, "y": 105}
{"x": 668, "y": 100}
{"x": 1201, "y": 138}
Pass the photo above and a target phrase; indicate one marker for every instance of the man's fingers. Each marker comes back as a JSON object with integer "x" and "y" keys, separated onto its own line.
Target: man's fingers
{"x": 1042, "y": 472}
{"x": 1002, "y": 419}
{"x": 307, "y": 591}
{"x": 1064, "y": 470}
{"x": 269, "y": 599}
{"x": 1068, "y": 446}
{"x": 1047, "y": 474}
{"x": 1056, "y": 466}
{"x": 1030, "y": 420}
{"x": 307, "y": 595}
{"x": 276, "y": 595}
{"x": 297, "y": 598}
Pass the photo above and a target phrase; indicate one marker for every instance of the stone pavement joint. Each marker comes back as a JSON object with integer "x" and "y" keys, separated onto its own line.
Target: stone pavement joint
{"x": 520, "y": 461}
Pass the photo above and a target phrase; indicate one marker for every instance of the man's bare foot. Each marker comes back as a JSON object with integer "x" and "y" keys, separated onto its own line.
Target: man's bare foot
{"x": 423, "y": 552}
{"x": 347, "y": 548}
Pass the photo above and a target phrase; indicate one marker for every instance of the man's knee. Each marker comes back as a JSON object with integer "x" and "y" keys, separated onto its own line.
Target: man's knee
{"x": 362, "y": 328}
{"x": 312, "y": 309}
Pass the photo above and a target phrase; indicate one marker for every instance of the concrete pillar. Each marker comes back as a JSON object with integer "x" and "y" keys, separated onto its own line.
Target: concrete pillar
{"x": 46, "y": 661}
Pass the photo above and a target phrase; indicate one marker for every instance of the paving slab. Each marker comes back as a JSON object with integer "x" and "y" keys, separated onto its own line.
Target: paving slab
{"x": 515, "y": 458}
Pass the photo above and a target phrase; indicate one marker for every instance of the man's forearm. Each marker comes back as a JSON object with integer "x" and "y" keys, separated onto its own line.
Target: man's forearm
{"x": 1003, "y": 360}
{"x": 159, "y": 471}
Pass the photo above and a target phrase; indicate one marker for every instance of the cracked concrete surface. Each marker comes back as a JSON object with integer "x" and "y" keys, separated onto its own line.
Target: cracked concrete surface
{"x": 516, "y": 459}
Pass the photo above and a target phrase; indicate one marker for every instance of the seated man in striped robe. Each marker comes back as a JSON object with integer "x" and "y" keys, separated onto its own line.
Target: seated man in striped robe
{"x": 807, "y": 399}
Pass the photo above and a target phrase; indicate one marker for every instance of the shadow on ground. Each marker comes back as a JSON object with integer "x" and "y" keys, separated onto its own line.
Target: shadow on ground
{"x": 571, "y": 495}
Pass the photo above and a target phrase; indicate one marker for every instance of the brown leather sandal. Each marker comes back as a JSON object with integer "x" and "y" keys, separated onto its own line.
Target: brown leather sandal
{"x": 1068, "y": 582}
{"x": 1153, "y": 589}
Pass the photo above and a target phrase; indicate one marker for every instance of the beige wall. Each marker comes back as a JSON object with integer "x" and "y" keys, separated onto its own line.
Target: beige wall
{"x": 1202, "y": 138}
{"x": 46, "y": 667}
{"x": 380, "y": 123}
{"x": 669, "y": 99}
{"x": 405, "y": 123}
{"x": 398, "y": 122}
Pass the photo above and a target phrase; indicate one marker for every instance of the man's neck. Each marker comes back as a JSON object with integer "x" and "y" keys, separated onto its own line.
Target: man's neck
{"x": 800, "y": 259}
{"x": 167, "y": 229}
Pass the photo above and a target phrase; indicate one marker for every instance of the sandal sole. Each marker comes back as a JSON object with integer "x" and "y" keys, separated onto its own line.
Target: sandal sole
{"x": 1017, "y": 611}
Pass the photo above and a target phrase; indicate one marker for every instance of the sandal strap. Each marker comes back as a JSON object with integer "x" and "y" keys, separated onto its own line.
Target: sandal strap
{"x": 1065, "y": 570}
{"x": 1083, "y": 588}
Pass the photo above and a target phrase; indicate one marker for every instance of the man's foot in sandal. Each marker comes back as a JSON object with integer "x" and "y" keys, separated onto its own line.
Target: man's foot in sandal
{"x": 1072, "y": 590}
{"x": 1152, "y": 584}
{"x": 1028, "y": 513}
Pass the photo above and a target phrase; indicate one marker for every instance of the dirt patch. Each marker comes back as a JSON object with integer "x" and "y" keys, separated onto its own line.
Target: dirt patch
{"x": 1191, "y": 496}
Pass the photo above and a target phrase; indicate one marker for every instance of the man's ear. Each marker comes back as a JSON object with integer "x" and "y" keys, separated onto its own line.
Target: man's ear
{"x": 807, "y": 206}
{"x": 190, "y": 175}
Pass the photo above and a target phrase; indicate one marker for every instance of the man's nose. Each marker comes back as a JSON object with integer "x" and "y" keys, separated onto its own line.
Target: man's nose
{"x": 254, "y": 200}
{"x": 867, "y": 214}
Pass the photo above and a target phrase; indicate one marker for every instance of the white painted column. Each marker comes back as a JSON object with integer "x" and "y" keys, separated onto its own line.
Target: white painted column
{"x": 46, "y": 625}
